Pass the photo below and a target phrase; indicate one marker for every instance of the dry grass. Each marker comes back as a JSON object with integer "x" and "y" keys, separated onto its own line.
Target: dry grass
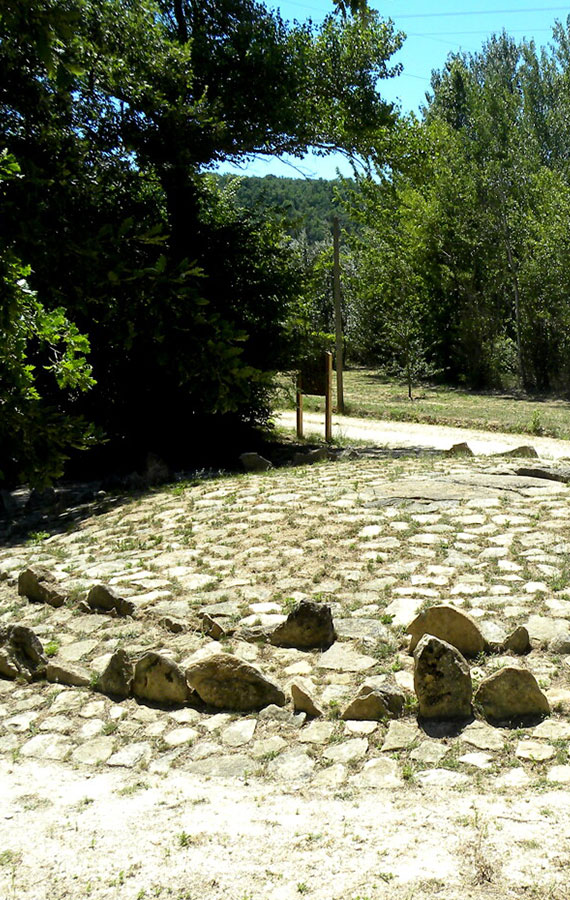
{"x": 369, "y": 394}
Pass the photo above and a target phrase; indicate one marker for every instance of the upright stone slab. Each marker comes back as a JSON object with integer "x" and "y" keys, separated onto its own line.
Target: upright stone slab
{"x": 158, "y": 679}
{"x": 39, "y": 585}
{"x": 448, "y": 624}
{"x": 442, "y": 680}
{"x": 21, "y": 653}
{"x": 308, "y": 627}
{"x": 375, "y": 703}
{"x": 105, "y": 598}
{"x": 117, "y": 678}
{"x": 227, "y": 682}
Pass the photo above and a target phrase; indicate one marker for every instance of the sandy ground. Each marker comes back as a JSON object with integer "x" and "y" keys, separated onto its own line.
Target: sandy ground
{"x": 73, "y": 835}
{"x": 108, "y": 800}
{"x": 412, "y": 435}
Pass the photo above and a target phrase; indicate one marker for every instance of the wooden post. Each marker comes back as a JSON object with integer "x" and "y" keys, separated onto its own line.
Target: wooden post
{"x": 328, "y": 398}
{"x": 299, "y": 407}
{"x": 338, "y": 317}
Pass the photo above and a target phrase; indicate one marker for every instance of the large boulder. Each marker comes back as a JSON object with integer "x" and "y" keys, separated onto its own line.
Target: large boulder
{"x": 104, "y": 598}
{"x": 39, "y": 585}
{"x": 442, "y": 680}
{"x": 448, "y": 624}
{"x": 21, "y": 653}
{"x": 511, "y": 693}
{"x": 308, "y": 627}
{"x": 375, "y": 703}
{"x": 117, "y": 678}
{"x": 226, "y": 682}
{"x": 158, "y": 679}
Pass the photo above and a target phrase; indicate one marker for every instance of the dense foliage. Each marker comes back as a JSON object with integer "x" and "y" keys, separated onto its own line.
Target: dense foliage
{"x": 463, "y": 259}
{"x": 306, "y": 206}
{"x": 114, "y": 110}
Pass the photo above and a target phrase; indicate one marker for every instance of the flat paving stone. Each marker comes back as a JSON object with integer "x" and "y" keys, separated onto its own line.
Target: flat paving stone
{"x": 534, "y": 750}
{"x": 343, "y": 658}
{"x": 429, "y": 752}
{"x": 317, "y": 732}
{"x": 296, "y": 765}
{"x": 179, "y": 736}
{"x": 483, "y": 736}
{"x": 347, "y": 751}
{"x": 234, "y": 766}
{"x": 93, "y": 752}
{"x": 239, "y": 733}
{"x": 382, "y": 772}
{"x": 47, "y": 746}
{"x": 129, "y": 756}
{"x": 400, "y": 735}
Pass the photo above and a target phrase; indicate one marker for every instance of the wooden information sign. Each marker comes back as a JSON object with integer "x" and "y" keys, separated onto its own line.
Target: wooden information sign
{"x": 315, "y": 378}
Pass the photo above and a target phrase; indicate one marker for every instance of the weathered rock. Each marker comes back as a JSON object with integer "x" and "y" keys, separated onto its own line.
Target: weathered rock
{"x": 448, "y": 624}
{"x": 64, "y": 673}
{"x": 39, "y": 585}
{"x": 311, "y": 456}
{"x": 522, "y": 451}
{"x": 442, "y": 680}
{"x": 175, "y": 626}
{"x": 560, "y": 644}
{"x": 375, "y": 703}
{"x": 226, "y": 682}
{"x": 519, "y": 642}
{"x": 21, "y": 653}
{"x": 304, "y": 699}
{"x": 212, "y": 627}
{"x": 308, "y": 627}
{"x": 106, "y": 599}
{"x": 253, "y": 462}
{"x": 462, "y": 449}
{"x": 117, "y": 678}
{"x": 158, "y": 679}
{"x": 511, "y": 693}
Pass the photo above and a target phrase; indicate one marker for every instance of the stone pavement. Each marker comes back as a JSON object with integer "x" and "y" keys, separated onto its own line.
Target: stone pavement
{"x": 378, "y": 541}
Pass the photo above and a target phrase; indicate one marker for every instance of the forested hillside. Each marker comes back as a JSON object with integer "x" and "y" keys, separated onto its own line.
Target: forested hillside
{"x": 308, "y": 205}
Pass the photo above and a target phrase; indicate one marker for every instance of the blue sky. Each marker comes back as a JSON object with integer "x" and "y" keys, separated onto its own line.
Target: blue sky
{"x": 433, "y": 31}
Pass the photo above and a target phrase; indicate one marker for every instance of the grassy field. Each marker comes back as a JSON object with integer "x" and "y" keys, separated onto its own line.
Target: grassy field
{"x": 368, "y": 394}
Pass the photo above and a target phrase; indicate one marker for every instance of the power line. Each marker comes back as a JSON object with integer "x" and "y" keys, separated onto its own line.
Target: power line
{"x": 479, "y": 31}
{"x": 483, "y": 12}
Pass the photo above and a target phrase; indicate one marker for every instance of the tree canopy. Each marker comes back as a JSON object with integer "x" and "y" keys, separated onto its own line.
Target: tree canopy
{"x": 114, "y": 111}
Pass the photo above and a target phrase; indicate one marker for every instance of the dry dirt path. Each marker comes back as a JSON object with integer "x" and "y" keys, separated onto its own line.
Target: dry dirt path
{"x": 106, "y": 799}
{"x": 412, "y": 435}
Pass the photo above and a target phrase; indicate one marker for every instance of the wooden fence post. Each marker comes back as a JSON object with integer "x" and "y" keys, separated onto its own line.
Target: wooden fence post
{"x": 299, "y": 408}
{"x": 328, "y": 397}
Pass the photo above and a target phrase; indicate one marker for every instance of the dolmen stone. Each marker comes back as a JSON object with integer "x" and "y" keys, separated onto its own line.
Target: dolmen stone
{"x": 511, "y": 693}
{"x": 448, "y": 624}
{"x": 442, "y": 680}
{"x": 40, "y": 585}
{"x": 253, "y": 462}
{"x": 461, "y": 449}
{"x": 308, "y": 627}
{"x": 227, "y": 682}
{"x": 104, "y": 598}
{"x": 302, "y": 693}
{"x": 157, "y": 678}
{"x": 21, "y": 653}
{"x": 518, "y": 642}
{"x": 375, "y": 703}
{"x": 116, "y": 680}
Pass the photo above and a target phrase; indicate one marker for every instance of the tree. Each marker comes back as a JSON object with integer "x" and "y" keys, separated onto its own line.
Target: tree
{"x": 114, "y": 111}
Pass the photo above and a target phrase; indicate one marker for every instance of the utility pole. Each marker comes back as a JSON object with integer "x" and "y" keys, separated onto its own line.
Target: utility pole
{"x": 338, "y": 317}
